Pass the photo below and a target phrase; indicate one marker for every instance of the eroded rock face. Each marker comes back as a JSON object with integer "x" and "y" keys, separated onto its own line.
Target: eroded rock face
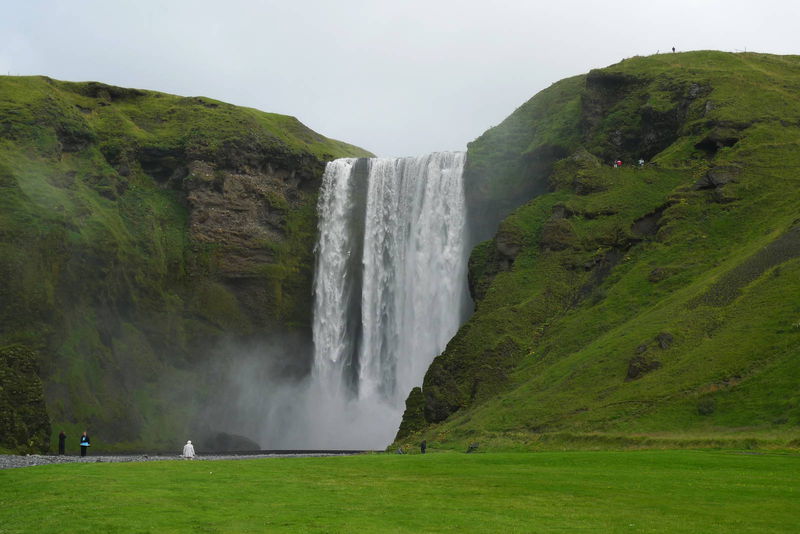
{"x": 718, "y": 177}
{"x": 242, "y": 211}
{"x": 636, "y": 132}
{"x": 639, "y": 365}
{"x": 644, "y": 360}
{"x": 24, "y": 423}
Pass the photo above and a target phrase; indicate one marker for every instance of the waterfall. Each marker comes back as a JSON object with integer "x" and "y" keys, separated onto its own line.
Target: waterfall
{"x": 389, "y": 290}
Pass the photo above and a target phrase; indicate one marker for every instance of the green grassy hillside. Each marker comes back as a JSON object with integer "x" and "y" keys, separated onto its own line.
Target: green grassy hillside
{"x": 635, "y": 306}
{"x": 138, "y": 229}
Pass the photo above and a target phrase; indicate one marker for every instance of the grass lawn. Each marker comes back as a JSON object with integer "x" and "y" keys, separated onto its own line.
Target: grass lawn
{"x": 642, "y": 491}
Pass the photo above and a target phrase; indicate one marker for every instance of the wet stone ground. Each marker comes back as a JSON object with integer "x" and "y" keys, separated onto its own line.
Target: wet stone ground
{"x": 8, "y": 461}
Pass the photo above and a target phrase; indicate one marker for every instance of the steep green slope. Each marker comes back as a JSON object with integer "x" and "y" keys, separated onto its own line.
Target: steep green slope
{"x": 653, "y": 304}
{"x": 137, "y": 231}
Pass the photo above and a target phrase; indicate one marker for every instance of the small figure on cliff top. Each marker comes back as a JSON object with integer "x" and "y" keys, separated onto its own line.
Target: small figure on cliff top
{"x": 62, "y": 442}
{"x": 188, "y": 450}
{"x": 85, "y": 443}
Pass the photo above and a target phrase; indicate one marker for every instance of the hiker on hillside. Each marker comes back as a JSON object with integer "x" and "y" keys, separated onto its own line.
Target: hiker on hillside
{"x": 84, "y": 443}
{"x": 188, "y": 450}
{"x": 62, "y": 442}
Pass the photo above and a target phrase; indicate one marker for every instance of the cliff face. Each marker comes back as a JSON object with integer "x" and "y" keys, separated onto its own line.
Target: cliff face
{"x": 24, "y": 425}
{"x": 652, "y": 300}
{"x": 137, "y": 231}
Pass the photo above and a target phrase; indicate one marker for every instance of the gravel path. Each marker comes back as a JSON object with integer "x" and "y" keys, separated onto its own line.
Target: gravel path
{"x": 8, "y": 461}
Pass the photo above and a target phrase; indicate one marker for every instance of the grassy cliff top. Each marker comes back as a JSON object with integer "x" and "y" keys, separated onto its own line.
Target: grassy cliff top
{"x": 84, "y": 110}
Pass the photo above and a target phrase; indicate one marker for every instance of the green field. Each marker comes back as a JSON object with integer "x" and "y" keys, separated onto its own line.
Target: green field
{"x": 642, "y": 491}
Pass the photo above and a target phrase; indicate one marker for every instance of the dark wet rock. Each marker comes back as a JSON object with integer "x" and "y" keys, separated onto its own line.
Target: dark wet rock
{"x": 719, "y": 137}
{"x": 109, "y": 92}
{"x": 718, "y": 177}
{"x": 640, "y": 365}
{"x": 644, "y": 133}
{"x": 225, "y": 442}
{"x": 664, "y": 340}
{"x": 643, "y": 361}
{"x": 648, "y": 225}
{"x": 600, "y": 267}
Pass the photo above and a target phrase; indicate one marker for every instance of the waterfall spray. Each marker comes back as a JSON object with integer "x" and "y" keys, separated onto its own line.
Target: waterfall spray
{"x": 389, "y": 293}
{"x": 389, "y": 289}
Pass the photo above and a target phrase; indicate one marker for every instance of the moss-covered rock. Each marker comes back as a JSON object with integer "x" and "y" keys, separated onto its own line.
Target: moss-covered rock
{"x": 24, "y": 424}
{"x": 414, "y": 416}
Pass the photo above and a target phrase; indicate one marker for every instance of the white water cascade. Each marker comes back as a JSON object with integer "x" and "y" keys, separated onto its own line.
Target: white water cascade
{"x": 389, "y": 291}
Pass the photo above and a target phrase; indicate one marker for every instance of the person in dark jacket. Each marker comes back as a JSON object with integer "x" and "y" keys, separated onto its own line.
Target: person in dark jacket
{"x": 62, "y": 442}
{"x": 423, "y": 446}
{"x": 84, "y": 443}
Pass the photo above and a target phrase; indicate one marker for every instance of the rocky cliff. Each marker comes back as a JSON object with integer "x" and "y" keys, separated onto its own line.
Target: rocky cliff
{"x": 650, "y": 303}
{"x": 138, "y": 230}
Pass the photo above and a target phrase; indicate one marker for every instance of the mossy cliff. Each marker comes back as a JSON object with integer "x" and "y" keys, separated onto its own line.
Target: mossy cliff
{"x": 24, "y": 425}
{"x": 137, "y": 231}
{"x": 636, "y": 305}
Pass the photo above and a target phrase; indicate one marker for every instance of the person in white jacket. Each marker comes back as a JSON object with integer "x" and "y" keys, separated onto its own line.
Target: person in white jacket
{"x": 188, "y": 450}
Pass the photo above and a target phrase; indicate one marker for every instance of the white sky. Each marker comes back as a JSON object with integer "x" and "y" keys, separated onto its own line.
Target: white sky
{"x": 395, "y": 77}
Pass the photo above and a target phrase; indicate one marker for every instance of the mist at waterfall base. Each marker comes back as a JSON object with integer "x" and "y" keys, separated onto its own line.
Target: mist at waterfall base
{"x": 389, "y": 293}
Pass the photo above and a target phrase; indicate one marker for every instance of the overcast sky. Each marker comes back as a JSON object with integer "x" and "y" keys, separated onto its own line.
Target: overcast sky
{"x": 396, "y": 77}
